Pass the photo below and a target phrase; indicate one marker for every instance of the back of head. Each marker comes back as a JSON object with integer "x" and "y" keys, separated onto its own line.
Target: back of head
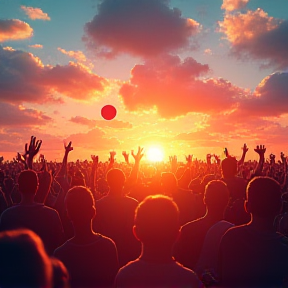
{"x": 157, "y": 221}
{"x": 264, "y": 197}
{"x": 229, "y": 167}
{"x": 78, "y": 179}
{"x": 80, "y": 204}
{"x": 23, "y": 261}
{"x": 28, "y": 182}
{"x": 216, "y": 195}
{"x": 115, "y": 178}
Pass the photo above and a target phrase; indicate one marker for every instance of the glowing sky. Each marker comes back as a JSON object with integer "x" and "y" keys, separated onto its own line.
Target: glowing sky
{"x": 189, "y": 76}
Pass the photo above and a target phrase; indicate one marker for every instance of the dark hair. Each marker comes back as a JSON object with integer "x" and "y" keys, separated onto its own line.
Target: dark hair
{"x": 157, "y": 220}
{"x": 23, "y": 261}
{"x": 216, "y": 195}
{"x": 28, "y": 181}
{"x": 264, "y": 196}
{"x": 79, "y": 201}
{"x": 115, "y": 177}
{"x": 229, "y": 167}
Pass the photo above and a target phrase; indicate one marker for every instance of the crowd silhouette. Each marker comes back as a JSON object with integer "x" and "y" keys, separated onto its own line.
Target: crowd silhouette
{"x": 203, "y": 223}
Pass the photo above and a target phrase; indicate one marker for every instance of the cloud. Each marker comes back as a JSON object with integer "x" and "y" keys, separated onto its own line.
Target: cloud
{"x": 37, "y": 46}
{"x": 35, "y": 13}
{"x": 258, "y": 36}
{"x": 174, "y": 88}
{"x": 15, "y": 115}
{"x": 142, "y": 28}
{"x": 78, "y": 55}
{"x": 14, "y": 29}
{"x": 93, "y": 139}
{"x": 269, "y": 99}
{"x": 231, "y": 5}
{"x": 100, "y": 123}
{"x": 24, "y": 78}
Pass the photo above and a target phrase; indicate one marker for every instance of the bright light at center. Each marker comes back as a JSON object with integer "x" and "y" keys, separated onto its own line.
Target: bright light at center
{"x": 155, "y": 154}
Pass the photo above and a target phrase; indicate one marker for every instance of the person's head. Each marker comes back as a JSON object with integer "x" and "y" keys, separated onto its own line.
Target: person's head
{"x": 263, "y": 197}
{"x": 23, "y": 260}
{"x": 229, "y": 167}
{"x": 80, "y": 204}
{"x": 115, "y": 178}
{"x": 169, "y": 183}
{"x": 156, "y": 222}
{"x": 28, "y": 182}
{"x": 216, "y": 196}
{"x": 60, "y": 274}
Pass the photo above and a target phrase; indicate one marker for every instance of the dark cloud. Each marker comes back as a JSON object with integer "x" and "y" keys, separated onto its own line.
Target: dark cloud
{"x": 142, "y": 27}
{"x": 24, "y": 78}
{"x": 13, "y": 115}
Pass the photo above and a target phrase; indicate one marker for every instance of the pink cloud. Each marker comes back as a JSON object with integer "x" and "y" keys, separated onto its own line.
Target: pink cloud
{"x": 258, "y": 36}
{"x": 24, "y": 78}
{"x": 14, "y": 29}
{"x": 100, "y": 123}
{"x": 13, "y": 115}
{"x": 37, "y": 46}
{"x": 35, "y": 13}
{"x": 142, "y": 28}
{"x": 174, "y": 88}
{"x": 231, "y": 5}
{"x": 78, "y": 55}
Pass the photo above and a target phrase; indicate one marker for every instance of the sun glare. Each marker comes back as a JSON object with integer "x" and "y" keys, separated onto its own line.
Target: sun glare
{"x": 155, "y": 154}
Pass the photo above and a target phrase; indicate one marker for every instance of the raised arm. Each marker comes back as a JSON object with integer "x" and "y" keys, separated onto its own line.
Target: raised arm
{"x": 126, "y": 157}
{"x": 33, "y": 149}
{"x": 93, "y": 177}
{"x": 260, "y": 150}
{"x": 244, "y": 151}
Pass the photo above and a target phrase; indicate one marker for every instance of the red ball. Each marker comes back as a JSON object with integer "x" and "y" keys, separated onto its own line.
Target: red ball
{"x": 108, "y": 112}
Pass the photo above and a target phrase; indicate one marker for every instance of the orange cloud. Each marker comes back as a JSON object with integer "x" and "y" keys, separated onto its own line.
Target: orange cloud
{"x": 24, "y": 78}
{"x": 14, "y": 29}
{"x": 142, "y": 28}
{"x": 231, "y": 5}
{"x": 37, "y": 46}
{"x": 100, "y": 123}
{"x": 175, "y": 89}
{"x": 78, "y": 55}
{"x": 93, "y": 139}
{"x": 257, "y": 35}
{"x": 35, "y": 13}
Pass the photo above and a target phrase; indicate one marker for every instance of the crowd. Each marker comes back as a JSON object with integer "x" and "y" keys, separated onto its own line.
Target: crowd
{"x": 212, "y": 223}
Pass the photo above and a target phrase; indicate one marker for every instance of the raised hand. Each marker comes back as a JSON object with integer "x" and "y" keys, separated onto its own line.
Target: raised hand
{"x": 245, "y": 148}
{"x": 33, "y": 149}
{"x": 226, "y": 152}
{"x": 283, "y": 158}
{"x": 68, "y": 147}
{"x": 112, "y": 157}
{"x": 173, "y": 163}
{"x": 272, "y": 159}
{"x": 208, "y": 159}
{"x": 95, "y": 159}
{"x": 126, "y": 156}
{"x": 217, "y": 158}
{"x": 260, "y": 149}
{"x": 139, "y": 154}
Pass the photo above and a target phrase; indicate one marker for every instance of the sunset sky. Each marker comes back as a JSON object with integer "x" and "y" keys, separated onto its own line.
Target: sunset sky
{"x": 188, "y": 76}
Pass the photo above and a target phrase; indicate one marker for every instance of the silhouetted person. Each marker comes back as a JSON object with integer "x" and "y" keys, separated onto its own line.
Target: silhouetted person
{"x": 157, "y": 227}
{"x": 184, "y": 198}
{"x": 29, "y": 214}
{"x": 23, "y": 261}
{"x": 91, "y": 258}
{"x": 235, "y": 212}
{"x": 188, "y": 247}
{"x": 115, "y": 217}
{"x": 254, "y": 255}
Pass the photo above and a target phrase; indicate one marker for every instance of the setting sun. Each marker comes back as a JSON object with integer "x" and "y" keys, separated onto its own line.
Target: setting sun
{"x": 155, "y": 154}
